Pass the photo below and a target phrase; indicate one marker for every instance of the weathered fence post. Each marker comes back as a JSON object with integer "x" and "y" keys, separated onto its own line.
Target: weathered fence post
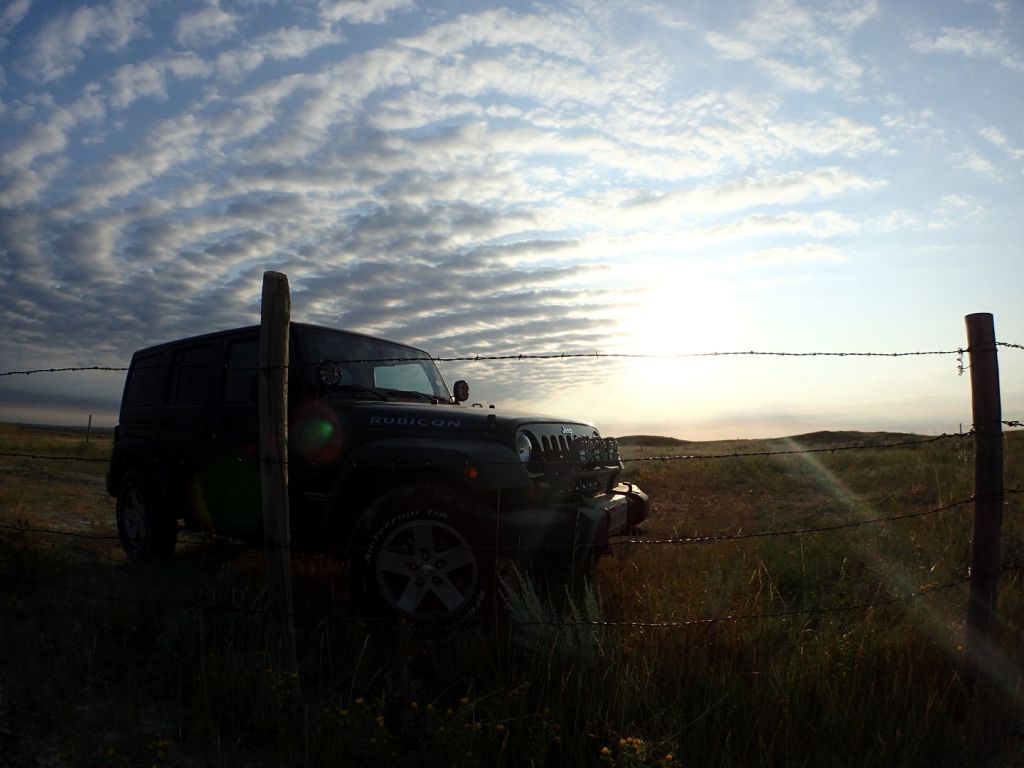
{"x": 273, "y": 405}
{"x": 988, "y": 490}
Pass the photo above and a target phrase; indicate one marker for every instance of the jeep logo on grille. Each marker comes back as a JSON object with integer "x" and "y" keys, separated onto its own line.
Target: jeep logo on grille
{"x": 566, "y": 430}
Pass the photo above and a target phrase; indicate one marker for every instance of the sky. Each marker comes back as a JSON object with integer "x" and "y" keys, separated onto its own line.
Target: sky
{"x": 478, "y": 179}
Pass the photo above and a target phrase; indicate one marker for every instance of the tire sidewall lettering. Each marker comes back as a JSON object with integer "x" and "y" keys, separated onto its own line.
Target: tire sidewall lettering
{"x": 417, "y": 505}
{"x": 381, "y": 532}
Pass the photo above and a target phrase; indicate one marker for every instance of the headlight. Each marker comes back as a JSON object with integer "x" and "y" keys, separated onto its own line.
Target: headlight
{"x": 524, "y": 447}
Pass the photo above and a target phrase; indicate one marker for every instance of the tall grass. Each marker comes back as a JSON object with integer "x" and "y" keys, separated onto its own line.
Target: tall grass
{"x": 101, "y": 664}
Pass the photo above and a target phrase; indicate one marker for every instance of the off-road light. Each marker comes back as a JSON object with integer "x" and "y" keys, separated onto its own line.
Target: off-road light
{"x": 524, "y": 447}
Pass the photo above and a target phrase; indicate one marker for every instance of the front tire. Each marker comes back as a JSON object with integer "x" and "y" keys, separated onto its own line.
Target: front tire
{"x": 415, "y": 555}
{"x": 145, "y": 526}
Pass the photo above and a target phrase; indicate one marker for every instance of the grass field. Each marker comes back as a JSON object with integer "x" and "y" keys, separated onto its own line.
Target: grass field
{"x": 721, "y": 646}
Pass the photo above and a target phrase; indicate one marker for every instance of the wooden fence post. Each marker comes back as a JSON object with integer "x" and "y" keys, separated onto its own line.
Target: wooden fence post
{"x": 273, "y": 405}
{"x": 988, "y": 491}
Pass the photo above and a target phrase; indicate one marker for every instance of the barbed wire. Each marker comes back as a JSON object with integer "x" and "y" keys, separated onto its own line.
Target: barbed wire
{"x": 51, "y": 457}
{"x": 516, "y": 461}
{"x": 959, "y": 352}
{"x": 794, "y": 451}
{"x": 702, "y": 539}
{"x": 685, "y": 355}
{"x": 681, "y": 624}
{"x": 68, "y": 369}
{"x": 685, "y": 623}
{"x": 186, "y": 605}
{"x": 542, "y": 356}
{"x": 58, "y": 532}
{"x": 795, "y": 531}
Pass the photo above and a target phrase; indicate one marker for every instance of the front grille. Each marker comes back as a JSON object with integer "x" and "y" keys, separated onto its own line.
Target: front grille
{"x": 562, "y": 454}
{"x": 556, "y": 449}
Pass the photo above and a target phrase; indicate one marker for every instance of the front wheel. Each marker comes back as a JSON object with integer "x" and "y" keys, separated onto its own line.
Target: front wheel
{"x": 415, "y": 556}
{"x": 145, "y": 526}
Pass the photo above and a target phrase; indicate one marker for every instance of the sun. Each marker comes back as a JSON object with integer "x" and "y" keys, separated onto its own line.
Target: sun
{"x": 678, "y": 308}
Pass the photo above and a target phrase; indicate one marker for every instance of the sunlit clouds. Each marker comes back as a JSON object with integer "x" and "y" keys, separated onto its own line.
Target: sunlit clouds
{"x": 574, "y": 177}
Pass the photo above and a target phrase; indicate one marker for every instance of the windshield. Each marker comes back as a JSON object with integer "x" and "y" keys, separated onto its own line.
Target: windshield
{"x": 365, "y": 366}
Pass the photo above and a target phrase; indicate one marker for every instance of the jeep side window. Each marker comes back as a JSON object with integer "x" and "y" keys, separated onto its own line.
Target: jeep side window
{"x": 146, "y": 382}
{"x": 240, "y": 384}
{"x": 193, "y": 374}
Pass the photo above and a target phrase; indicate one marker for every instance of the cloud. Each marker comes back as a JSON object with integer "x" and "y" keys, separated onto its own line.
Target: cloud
{"x": 41, "y": 139}
{"x": 971, "y": 160}
{"x": 820, "y": 224}
{"x": 756, "y": 191}
{"x": 11, "y": 17}
{"x": 279, "y": 45}
{"x": 851, "y": 16}
{"x": 148, "y": 79}
{"x": 483, "y": 183}
{"x": 363, "y": 11}
{"x": 206, "y": 26}
{"x": 63, "y": 41}
{"x": 800, "y": 49}
{"x": 913, "y": 123}
{"x": 971, "y": 42}
{"x": 807, "y": 253}
{"x": 35, "y": 156}
{"x": 27, "y": 406}
{"x": 958, "y": 206}
{"x": 1000, "y": 140}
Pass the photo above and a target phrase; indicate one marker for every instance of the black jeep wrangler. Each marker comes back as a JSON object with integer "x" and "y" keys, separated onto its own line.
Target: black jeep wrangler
{"x": 426, "y": 496}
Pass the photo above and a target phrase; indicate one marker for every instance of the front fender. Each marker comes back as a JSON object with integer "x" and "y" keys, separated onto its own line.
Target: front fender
{"x": 141, "y": 454}
{"x": 370, "y": 471}
{"x": 476, "y": 464}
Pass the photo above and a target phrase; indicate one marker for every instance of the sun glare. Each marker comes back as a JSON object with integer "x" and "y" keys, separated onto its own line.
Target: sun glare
{"x": 681, "y": 309}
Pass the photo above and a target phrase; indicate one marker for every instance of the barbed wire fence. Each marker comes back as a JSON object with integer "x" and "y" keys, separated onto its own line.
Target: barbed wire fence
{"x": 991, "y": 570}
{"x": 22, "y": 528}
{"x": 551, "y": 356}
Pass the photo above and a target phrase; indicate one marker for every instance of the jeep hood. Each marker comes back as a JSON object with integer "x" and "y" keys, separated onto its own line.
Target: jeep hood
{"x": 449, "y": 418}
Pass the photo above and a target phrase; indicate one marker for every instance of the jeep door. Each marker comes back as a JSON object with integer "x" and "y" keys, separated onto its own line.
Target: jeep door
{"x": 230, "y": 476}
{"x": 184, "y": 423}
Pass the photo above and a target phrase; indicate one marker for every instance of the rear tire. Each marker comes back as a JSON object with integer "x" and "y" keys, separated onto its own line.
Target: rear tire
{"x": 145, "y": 525}
{"x": 415, "y": 555}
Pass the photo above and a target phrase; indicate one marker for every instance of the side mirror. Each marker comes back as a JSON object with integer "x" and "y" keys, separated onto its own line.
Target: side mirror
{"x": 461, "y": 391}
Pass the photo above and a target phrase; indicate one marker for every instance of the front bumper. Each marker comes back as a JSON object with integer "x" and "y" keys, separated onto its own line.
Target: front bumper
{"x": 569, "y": 530}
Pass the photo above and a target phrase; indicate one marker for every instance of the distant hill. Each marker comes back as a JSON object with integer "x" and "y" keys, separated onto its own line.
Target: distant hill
{"x": 652, "y": 440}
{"x": 820, "y": 439}
{"x": 815, "y": 439}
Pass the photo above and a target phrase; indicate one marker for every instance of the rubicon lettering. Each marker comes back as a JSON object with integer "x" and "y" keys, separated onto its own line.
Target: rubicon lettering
{"x": 407, "y": 421}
